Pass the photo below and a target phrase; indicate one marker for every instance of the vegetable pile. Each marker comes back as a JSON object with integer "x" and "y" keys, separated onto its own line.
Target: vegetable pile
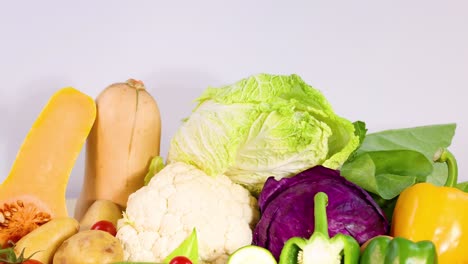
{"x": 261, "y": 171}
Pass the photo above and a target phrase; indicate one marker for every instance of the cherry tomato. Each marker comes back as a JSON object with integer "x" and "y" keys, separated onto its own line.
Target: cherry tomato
{"x": 32, "y": 261}
{"x": 180, "y": 260}
{"x": 104, "y": 225}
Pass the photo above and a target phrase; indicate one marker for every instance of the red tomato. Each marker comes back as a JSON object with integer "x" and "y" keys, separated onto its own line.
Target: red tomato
{"x": 180, "y": 260}
{"x": 104, "y": 225}
{"x": 32, "y": 261}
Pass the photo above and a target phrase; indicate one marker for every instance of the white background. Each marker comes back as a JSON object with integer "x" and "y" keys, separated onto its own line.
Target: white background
{"x": 391, "y": 64}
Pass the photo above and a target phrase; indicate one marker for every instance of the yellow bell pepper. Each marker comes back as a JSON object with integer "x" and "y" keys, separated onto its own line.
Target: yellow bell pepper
{"x": 439, "y": 214}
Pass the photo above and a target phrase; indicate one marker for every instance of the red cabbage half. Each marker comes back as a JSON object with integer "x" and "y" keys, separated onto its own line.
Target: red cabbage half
{"x": 287, "y": 209}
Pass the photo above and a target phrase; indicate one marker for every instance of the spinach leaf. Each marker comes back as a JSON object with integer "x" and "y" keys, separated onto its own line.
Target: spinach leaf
{"x": 439, "y": 175}
{"x": 387, "y": 205}
{"x": 402, "y": 162}
{"x": 463, "y": 186}
{"x": 424, "y": 139}
{"x": 387, "y": 173}
{"x": 389, "y": 161}
{"x": 361, "y": 171}
{"x": 397, "y": 182}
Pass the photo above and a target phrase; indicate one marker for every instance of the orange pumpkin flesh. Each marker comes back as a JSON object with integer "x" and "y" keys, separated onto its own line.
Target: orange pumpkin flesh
{"x": 18, "y": 218}
{"x": 34, "y": 191}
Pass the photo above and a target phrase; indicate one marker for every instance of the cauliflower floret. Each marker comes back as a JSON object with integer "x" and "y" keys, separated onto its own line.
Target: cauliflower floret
{"x": 180, "y": 197}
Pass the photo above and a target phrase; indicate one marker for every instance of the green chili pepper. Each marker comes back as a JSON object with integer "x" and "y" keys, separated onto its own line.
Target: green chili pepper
{"x": 320, "y": 248}
{"x": 385, "y": 250}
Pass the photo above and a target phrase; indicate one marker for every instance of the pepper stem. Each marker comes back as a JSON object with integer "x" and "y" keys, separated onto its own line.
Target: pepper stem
{"x": 320, "y": 213}
{"x": 446, "y": 156}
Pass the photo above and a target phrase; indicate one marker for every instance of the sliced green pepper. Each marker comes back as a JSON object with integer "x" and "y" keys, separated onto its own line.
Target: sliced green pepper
{"x": 320, "y": 248}
{"x": 385, "y": 250}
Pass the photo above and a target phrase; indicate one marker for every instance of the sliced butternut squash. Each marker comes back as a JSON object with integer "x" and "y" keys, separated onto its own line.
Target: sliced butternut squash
{"x": 34, "y": 191}
{"x": 124, "y": 139}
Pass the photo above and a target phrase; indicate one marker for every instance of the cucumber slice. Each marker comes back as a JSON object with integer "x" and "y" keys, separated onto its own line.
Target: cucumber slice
{"x": 252, "y": 254}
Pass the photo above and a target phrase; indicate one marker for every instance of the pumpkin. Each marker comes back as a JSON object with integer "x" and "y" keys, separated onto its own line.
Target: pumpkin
{"x": 34, "y": 191}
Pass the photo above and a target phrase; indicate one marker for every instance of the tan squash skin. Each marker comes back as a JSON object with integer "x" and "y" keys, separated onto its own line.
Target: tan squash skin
{"x": 125, "y": 137}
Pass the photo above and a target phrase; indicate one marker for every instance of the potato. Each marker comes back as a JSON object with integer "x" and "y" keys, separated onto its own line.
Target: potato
{"x": 89, "y": 247}
{"x": 44, "y": 241}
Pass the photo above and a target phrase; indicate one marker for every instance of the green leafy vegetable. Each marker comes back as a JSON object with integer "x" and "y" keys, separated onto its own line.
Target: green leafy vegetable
{"x": 387, "y": 206}
{"x": 360, "y": 130}
{"x": 389, "y": 161}
{"x": 8, "y": 255}
{"x": 188, "y": 248}
{"x": 425, "y": 139}
{"x": 387, "y": 173}
{"x": 261, "y": 126}
{"x": 463, "y": 186}
{"x": 155, "y": 166}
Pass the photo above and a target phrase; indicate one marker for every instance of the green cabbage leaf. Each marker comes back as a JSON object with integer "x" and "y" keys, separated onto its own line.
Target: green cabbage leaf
{"x": 261, "y": 126}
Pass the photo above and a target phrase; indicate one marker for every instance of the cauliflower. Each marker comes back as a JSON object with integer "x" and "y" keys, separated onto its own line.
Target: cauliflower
{"x": 181, "y": 197}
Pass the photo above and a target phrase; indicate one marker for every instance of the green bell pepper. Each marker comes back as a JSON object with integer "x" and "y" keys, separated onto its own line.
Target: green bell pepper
{"x": 385, "y": 250}
{"x": 320, "y": 248}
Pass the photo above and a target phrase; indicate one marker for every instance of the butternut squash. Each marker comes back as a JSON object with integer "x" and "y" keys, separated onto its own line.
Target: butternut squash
{"x": 124, "y": 139}
{"x": 34, "y": 191}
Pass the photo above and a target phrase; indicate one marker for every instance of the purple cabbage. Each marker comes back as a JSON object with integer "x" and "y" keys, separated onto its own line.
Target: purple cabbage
{"x": 287, "y": 209}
